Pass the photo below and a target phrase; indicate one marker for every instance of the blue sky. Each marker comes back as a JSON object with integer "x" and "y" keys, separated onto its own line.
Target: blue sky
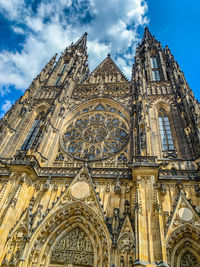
{"x": 32, "y": 31}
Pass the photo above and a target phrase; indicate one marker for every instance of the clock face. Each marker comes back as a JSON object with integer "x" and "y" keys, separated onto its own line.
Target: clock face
{"x": 96, "y": 132}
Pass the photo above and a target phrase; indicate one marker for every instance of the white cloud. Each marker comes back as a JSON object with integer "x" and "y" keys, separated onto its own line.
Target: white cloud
{"x": 112, "y": 28}
{"x": 5, "y": 107}
{"x": 4, "y": 90}
{"x": 18, "y": 30}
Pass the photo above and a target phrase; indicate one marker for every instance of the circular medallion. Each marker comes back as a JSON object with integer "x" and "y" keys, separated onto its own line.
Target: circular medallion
{"x": 185, "y": 214}
{"x": 80, "y": 190}
{"x": 95, "y": 133}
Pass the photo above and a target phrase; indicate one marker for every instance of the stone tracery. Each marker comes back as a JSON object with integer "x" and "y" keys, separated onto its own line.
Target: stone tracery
{"x": 96, "y": 133}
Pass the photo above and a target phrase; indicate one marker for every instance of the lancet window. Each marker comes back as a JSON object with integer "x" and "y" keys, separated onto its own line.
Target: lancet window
{"x": 165, "y": 130}
{"x": 32, "y": 133}
{"x": 58, "y": 81}
{"x": 155, "y": 69}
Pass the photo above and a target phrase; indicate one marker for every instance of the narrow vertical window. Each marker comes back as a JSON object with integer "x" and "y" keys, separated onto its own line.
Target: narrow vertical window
{"x": 155, "y": 69}
{"x": 64, "y": 68}
{"x": 58, "y": 80}
{"x": 165, "y": 131}
{"x": 31, "y": 135}
{"x": 154, "y": 63}
{"x": 60, "y": 74}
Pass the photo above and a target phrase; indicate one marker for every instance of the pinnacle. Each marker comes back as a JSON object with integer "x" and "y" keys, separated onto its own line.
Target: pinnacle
{"x": 147, "y": 35}
{"x": 82, "y": 42}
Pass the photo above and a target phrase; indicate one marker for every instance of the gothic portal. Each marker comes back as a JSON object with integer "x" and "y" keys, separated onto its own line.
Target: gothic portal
{"x": 97, "y": 170}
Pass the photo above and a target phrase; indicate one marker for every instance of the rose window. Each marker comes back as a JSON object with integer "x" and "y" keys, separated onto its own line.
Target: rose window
{"x": 95, "y": 135}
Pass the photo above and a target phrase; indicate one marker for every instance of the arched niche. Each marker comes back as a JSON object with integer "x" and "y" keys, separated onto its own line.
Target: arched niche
{"x": 126, "y": 250}
{"x": 62, "y": 222}
{"x": 184, "y": 239}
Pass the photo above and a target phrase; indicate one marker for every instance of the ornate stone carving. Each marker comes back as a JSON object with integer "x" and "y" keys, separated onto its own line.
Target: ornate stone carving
{"x": 125, "y": 243}
{"x": 74, "y": 248}
{"x": 96, "y": 135}
{"x": 188, "y": 259}
{"x": 117, "y": 188}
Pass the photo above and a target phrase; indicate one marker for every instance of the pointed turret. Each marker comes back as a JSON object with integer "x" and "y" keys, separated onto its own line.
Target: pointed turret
{"x": 147, "y": 35}
{"x": 82, "y": 42}
{"x": 47, "y": 69}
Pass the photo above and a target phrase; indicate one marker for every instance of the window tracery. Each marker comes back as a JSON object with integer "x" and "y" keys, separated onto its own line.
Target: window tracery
{"x": 95, "y": 133}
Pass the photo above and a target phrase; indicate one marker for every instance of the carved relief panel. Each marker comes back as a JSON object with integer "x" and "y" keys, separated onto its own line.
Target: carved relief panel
{"x": 74, "y": 249}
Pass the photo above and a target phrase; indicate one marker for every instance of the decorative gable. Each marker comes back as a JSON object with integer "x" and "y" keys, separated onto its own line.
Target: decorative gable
{"x": 183, "y": 214}
{"x": 106, "y": 71}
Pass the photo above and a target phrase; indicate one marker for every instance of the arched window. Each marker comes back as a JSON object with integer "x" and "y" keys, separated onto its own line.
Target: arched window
{"x": 32, "y": 133}
{"x": 165, "y": 130}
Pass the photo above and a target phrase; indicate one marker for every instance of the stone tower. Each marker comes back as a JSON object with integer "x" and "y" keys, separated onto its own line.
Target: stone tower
{"x": 97, "y": 170}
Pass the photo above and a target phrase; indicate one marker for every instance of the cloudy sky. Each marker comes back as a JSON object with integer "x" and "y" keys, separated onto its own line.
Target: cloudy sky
{"x": 34, "y": 30}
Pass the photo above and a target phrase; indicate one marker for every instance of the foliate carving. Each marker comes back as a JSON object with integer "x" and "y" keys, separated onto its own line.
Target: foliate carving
{"x": 96, "y": 135}
{"x": 74, "y": 248}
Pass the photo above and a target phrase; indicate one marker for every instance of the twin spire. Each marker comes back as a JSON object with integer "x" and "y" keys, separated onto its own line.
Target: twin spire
{"x": 82, "y": 42}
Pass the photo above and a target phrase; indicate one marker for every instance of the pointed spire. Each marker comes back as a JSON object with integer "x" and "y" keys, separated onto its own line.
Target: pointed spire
{"x": 82, "y": 42}
{"x": 147, "y": 35}
{"x": 49, "y": 66}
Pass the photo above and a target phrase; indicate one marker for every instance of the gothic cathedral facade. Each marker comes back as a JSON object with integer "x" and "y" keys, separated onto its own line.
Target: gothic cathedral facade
{"x": 97, "y": 170}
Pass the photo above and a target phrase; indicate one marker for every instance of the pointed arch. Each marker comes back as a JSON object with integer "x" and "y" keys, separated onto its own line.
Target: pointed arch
{"x": 188, "y": 257}
{"x": 126, "y": 244}
{"x": 61, "y": 222}
{"x": 182, "y": 239}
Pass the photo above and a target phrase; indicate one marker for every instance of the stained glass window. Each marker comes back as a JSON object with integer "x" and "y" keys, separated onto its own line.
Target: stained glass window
{"x": 95, "y": 133}
{"x": 165, "y": 131}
